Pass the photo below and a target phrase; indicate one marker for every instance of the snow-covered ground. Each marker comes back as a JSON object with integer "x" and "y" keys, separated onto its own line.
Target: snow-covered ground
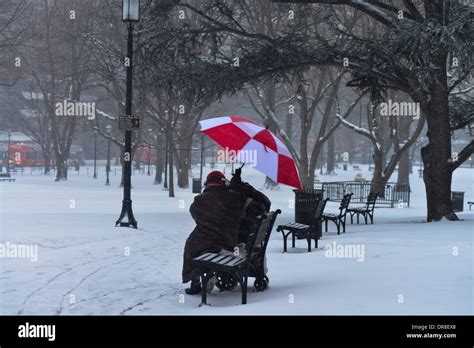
{"x": 86, "y": 265}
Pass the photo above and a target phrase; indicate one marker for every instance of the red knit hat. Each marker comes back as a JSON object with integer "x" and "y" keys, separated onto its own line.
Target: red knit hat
{"x": 215, "y": 178}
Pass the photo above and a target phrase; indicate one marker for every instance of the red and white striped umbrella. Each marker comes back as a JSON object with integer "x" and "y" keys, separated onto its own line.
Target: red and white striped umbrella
{"x": 263, "y": 150}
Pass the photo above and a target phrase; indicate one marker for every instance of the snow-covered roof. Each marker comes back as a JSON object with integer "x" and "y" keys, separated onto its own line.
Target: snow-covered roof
{"x": 15, "y": 137}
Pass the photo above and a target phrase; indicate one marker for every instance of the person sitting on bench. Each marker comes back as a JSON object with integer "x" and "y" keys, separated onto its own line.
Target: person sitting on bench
{"x": 217, "y": 212}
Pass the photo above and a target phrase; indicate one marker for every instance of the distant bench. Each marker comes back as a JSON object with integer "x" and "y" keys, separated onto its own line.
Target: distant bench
{"x": 6, "y": 177}
{"x": 470, "y": 204}
{"x": 356, "y": 167}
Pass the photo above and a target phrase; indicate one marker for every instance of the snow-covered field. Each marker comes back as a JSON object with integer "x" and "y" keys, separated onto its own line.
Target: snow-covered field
{"x": 86, "y": 265}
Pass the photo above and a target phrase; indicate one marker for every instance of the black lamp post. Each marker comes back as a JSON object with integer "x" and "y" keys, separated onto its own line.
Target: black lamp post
{"x": 202, "y": 159}
{"x": 165, "y": 182}
{"x": 150, "y": 131}
{"x": 95, "y": 154}
{"x": 9, "y": 133}
{"x": 131, "y": 14}
{"x": 107, "y": 168}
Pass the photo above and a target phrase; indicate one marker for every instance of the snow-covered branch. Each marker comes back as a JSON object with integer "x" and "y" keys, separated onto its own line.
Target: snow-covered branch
{"x": 358, "y": 130}
{"x": 104, "y": 114}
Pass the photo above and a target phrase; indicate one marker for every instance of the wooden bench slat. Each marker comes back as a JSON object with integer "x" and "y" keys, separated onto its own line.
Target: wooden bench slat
{"x": 357, "y": 209}
{"x": 209, "y": 257}
{"x": 226, "y": 259}
{"x": 330, "y": 215}
{"x": 294, "y": 225}
{"x": 235, "y": 261}
{"x": 289, "y": 224}
{"x": 200, "y": 257}
{"x": 218, "y": 258}
{"x": 301, "y": 227}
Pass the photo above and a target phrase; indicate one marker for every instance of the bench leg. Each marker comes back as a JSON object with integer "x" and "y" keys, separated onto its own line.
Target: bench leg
{"x": 352, "y": 215}
{"x": 204, "y": 278}
{"x": 315, "y": 243}
{"x": 358, "y": 217}
{"x": 371, "y": 216}
{"x": 309, "y": 244}
{"x": 338, "y": 225}
{"x": 293, "y": 239}
{"x": 326, "y": 223}
{"x": 285, "y": 237}
{"x": 365, "y": 219}
{"x": 243, "y": 286}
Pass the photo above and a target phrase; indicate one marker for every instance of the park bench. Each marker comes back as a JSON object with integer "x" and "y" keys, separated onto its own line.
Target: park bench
{"x": 356, "y": 167}
{"x": 303, "y": 231}
{"x": 339, "y": 218}
{"x": 365, "y": 211}
{"x": 6, "y": 177}
{"x": 470, "y": 204}
{"x": 238, "y": 267}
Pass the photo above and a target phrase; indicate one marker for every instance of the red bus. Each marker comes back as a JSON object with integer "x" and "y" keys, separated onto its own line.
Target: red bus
{"x": 22, "y": 155}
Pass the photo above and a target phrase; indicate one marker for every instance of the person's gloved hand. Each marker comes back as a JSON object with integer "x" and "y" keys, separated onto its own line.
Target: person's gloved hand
{"x": 238, "y": 172}
{"x": 236, "y": 179}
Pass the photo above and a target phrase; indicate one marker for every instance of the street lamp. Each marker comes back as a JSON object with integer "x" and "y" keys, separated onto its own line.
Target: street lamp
{"x": 9, "y": 133}
{"x": 107, "y": 168}
{"x": 95, "y": 155}
{"x": 131, "y": 11}
{"x": 150, "y": 131}
{"x": 131, "y": 14}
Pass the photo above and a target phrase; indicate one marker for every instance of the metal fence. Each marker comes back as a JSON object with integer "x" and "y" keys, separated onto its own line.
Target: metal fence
{"x": 392, "y": 193}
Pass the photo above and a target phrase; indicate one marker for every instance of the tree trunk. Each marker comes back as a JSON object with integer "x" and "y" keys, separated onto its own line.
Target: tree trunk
{"x": 47, "y": 163}
{"x": 330, "y": 156}
{"x": 160, "y": 163}
{"x": 378, "y": 180}
{"x": 403, "y": 177}
{"x": 404, "y": 164}
{"x": 305, "y": 175}
{"x": 436, "y": 155}
{"x": 289, "y": 125}
{"x": 183, "y": 163}
{"x": 170, "y": 170}
{"x": 61, "y": 168}
{"x": 307, "y": 178}
{"x": 305, "y": 172}
{"x": 350, "y": 151}
{"x": 183, "y": 172}
{"x": 270, "y": 97}
{"x": 122, "y": 163}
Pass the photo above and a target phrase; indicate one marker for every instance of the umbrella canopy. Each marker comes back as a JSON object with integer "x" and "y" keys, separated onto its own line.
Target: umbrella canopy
{"x": 254, "y": 145}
